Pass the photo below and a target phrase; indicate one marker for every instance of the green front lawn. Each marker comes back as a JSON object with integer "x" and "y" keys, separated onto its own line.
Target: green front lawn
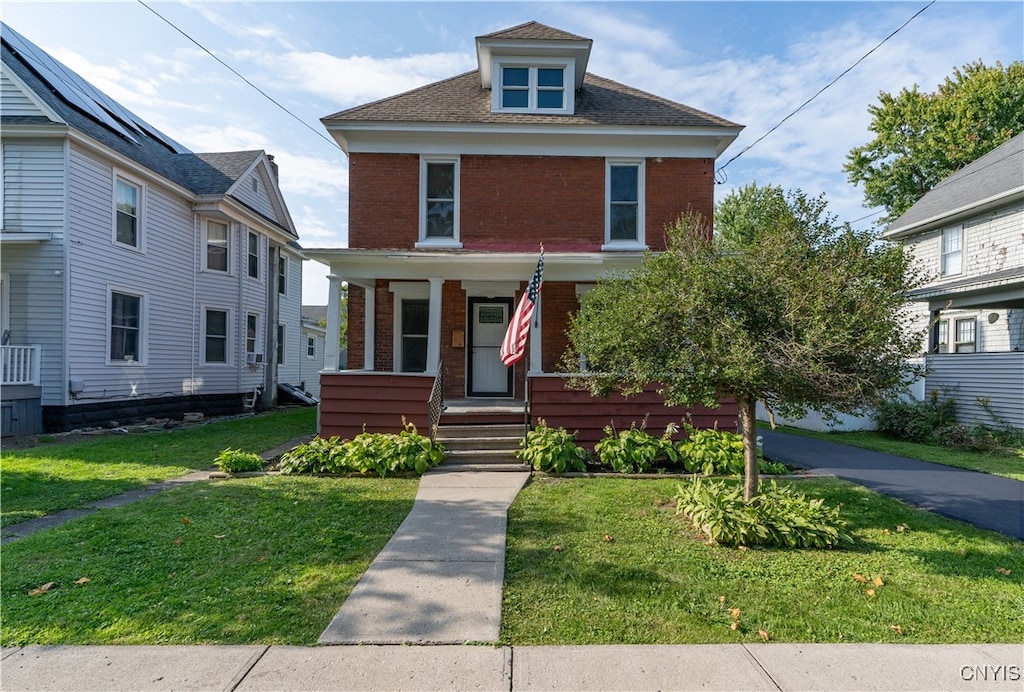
{"x": 260, "y": 560}
{"x": 53, "y": 477}
{"x": 606, "y": 561}
{"x": 1009, "y": 463}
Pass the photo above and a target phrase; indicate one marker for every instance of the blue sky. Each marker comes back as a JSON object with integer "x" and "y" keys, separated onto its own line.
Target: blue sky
{"x": 750, "y": 62}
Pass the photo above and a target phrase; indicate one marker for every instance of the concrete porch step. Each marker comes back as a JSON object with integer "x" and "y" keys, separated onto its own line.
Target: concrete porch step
{"x": 481, "y": 431}
{"x": 469, "y": 443}
{"x": 481, "y": 456}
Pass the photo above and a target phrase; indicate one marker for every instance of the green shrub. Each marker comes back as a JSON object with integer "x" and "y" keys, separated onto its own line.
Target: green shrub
{"x": 381, "y": 453}
{"x": 779, "y": 516}
{"x": 236, "y": 461}
{"x": 552, "y": 450}
{"x": 915, "y": 421}
{"x": 711, "y": 451}
{"x": 635, "y": 450}
{"x": 319, "y": 455}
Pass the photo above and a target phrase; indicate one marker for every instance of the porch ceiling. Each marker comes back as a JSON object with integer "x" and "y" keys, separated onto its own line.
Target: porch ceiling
{"x": 356, "y": 265}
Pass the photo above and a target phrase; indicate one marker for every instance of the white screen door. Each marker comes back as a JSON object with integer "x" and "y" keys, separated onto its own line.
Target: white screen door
{"x": 489, "y": 377}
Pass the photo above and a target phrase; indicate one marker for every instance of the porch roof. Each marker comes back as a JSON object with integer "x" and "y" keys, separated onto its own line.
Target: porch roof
{"x": 357, "y": 265}
{"x": 1002, "y": 289}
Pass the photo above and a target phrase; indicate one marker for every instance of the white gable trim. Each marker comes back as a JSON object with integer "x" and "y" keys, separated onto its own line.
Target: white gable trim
{"x": 31, "y": 95}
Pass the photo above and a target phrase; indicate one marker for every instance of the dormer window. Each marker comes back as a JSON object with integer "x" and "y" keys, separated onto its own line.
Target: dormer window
{"x": 524, "y": 87}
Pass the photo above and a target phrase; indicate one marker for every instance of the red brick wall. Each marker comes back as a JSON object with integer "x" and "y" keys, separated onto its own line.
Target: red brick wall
{"x": 558, "y": 300}
{"x": 383, "y": 200}
{"x": 453, "y": 318}
{"x": 673, "y": 186}
{"x": 511, "y": 203}
{"x": 356, "y": 322}
{"x": 384, "y": 351}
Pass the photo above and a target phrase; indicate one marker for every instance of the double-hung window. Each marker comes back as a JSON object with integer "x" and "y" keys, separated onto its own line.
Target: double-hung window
{"x": 533, "y": 88}
{"x": 125, "y": 328}
{"x": 942, "y": 345}
{"x": 216, "y": 246}
{"x": 281, "y": 331}
{"x": 215, "y": 336}
{"x": 439, "y": 202}
{"x": 282, "y": 275}
{"x": 415, "y": 321}
{"x": 310, "y": 347}
{"x": 624, "y": 211}
{"x": 127, "y": 213}
{"x": 966, "y": 341}
{"x": 952, "y": 250}
{"x": 254, "y": 255}
{"x": 251, "y": 324}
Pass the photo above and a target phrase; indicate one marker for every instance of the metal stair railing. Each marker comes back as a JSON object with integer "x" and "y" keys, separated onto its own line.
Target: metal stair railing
{"x": 435, "y": 404}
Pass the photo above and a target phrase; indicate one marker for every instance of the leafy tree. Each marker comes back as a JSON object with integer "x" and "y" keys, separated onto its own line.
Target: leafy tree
{"x": 921, "y": 138}
{"x": 805, "y": 314}
{"x": 343, "y": 331}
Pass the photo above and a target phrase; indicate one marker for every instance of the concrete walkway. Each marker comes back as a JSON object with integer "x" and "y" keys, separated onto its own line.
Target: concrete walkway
{"x": 987, "y": 501}
{"x": 439, "y": 579}
{"x": 863, "y": 667}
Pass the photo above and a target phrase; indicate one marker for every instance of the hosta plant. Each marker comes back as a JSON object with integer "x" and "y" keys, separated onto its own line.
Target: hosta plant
{"x": 778, "y": 516}
{"x": 635, "y": 450}
{"x": 381, "y": 453}
{"x": 552, "y": 450}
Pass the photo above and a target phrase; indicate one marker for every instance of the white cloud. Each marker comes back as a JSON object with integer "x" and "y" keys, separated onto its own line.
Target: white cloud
{"x": 360, "y": 79}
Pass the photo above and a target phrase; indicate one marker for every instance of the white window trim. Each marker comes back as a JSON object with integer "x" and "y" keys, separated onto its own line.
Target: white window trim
{"x": 955, "y": 336}
{"x": 205, "y": 247}
{"x": 143, "y": 297}
{"x": 311, "y": 356}
{"x": 943, "y": 253}
{"x": 259, "y": 251}
{"x": 424, "y": 241}
{"x": 140, "y": 212}
{"x": 282, "y": 344}
{"x": 282, "y": 277}
{"x": 532, "y": 63}
{"x": 640, "y": 243}
{"x": 942, "y": 325}
{"x": 229, "y": 360}
{"x": 256, "y": 338}
{"x": 404, "y": 290}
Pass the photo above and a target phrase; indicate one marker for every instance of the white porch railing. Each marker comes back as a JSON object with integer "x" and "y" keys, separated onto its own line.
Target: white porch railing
{"x": 19, "y": 365}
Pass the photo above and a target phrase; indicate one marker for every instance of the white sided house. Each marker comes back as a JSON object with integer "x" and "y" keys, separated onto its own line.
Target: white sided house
{"x": 968, "y": 233}
{"x": 138, "y": 278}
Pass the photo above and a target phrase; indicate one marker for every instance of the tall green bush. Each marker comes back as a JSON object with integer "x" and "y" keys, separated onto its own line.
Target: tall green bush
{"x": 915, "y": 421}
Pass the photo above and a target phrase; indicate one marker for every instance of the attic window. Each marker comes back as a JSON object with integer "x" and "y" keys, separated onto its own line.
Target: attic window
{"x": 525, "y": 87}
{"x": 255, "y": 185}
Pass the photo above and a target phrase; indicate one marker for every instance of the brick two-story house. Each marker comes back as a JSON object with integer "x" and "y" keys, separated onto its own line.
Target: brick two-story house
{"x": 453, "y": 189}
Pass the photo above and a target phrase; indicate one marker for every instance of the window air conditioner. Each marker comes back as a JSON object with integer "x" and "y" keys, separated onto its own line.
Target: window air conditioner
{"x": 253, "y": 358}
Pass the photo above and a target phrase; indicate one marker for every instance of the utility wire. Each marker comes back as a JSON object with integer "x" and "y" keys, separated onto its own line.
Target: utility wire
{"x": 240, "y": 76}
{"x": 747, "y": 148}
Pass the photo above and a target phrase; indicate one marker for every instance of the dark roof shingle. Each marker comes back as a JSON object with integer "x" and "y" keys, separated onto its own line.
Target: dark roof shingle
{"x": 462, "y": 100}
{"x": 534, "y": 31}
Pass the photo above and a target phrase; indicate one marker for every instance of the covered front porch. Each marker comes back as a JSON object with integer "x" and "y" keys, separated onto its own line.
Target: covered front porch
{"x": 427, "y": 326}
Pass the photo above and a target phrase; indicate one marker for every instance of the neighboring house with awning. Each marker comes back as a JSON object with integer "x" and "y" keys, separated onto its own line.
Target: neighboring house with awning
{"x": 454, "y": 187}
{"x": 968, "y": 233}
{"x": 138, "y": 279}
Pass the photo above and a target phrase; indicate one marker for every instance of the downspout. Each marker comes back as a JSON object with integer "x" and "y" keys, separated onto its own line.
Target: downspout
{"x": 240, "y": 324}
{"x": 196, "y": 316}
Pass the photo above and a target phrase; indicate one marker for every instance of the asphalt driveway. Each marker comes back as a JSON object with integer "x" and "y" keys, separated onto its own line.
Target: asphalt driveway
{"x": 987, "y": 501}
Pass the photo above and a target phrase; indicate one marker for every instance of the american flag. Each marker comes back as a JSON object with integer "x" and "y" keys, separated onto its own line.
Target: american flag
{"x": 513, "y": 346}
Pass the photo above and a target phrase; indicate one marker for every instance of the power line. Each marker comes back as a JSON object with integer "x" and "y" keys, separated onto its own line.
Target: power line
{"x": 747, "y": 148}
{"x": 240, "y": 76}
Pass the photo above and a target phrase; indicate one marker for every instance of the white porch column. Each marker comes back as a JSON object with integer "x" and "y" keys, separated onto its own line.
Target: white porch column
{"x": 536, "y": 347}
{"x": 434, "y": 326}
{"x": 369, "y": 312}
{"x": 331, "y": 347}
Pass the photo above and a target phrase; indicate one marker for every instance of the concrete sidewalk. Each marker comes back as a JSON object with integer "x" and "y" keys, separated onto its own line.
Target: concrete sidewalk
{"x": 987, "y": 501}
{"x": 864, "y": 667}
{"x": 439, "y": 579}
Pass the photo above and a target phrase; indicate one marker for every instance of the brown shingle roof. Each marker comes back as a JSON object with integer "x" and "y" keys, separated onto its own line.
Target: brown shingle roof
{"x": 532, "y": 31}
{"x": 462, "y": 100}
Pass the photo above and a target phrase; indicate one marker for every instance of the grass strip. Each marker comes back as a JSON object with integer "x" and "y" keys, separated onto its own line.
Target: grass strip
{"x": 258, "y": 560}
{"x": 52, "y": 477}
{"x": 606, "y": 561}
{"x": 1008, "y": 464}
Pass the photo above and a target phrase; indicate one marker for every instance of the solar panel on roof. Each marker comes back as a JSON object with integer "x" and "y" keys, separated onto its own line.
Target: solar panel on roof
{"x": 82, "y": 95}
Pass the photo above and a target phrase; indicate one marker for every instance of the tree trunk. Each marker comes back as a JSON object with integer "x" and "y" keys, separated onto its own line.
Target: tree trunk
{"x": 748, "y": 425}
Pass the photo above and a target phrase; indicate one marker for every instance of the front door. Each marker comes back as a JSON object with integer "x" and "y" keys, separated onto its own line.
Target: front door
{"x": 488, "y": 322}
